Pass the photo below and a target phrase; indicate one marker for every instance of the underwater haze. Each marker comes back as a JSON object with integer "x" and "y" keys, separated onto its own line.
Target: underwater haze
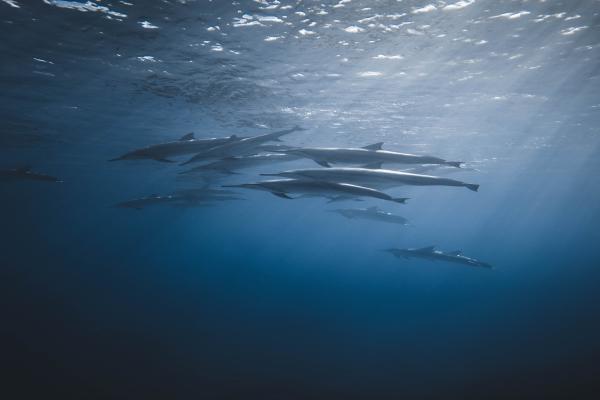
{"x": 264, "y": 297}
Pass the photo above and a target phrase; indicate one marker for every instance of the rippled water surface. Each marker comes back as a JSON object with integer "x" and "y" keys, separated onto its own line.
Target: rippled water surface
{"x": 273, "y": 298}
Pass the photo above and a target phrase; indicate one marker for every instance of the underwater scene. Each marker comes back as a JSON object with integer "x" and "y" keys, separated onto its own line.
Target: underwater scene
{"x": 298, "y": 199}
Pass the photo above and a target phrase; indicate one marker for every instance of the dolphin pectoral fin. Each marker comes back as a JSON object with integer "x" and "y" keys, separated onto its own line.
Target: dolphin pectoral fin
{"x": 323, "y": 163}
{"x": 472, "y": 186}
{"x": 455, "y": 253}
{"x": 456, "y": 164}
{"x": 374, "y": 146}
{"x": 374, "y": 165}
{"x": 187, "y": 136}
{"x": 282, "y": 195}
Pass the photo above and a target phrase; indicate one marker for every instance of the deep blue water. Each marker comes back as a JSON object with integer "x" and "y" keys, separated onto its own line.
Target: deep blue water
{"x": 279, "y": 299}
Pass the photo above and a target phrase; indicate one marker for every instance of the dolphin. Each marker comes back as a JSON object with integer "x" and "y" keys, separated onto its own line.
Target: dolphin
{"x": 429, "y": 253}
{"x": 25, "y": 173}
{"x": 244, "y": 147}
{"x": 334, "y": 190}
{"x": 231, "y": 164}
{"x": 376, "y": 178}
{"x": 371, "y": 213}
{"x": 187, "y": 144}
{"x": 371, "y": 156}
{"x": 181, "y": 198}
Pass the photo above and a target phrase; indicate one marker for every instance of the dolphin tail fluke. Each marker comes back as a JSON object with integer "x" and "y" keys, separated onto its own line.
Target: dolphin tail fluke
{"x": 401, "y": 200}
{"x": 456, "y": 164}
{"x": 472, "y": 187}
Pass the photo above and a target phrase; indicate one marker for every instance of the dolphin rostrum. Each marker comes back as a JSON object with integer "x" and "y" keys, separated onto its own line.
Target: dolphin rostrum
{"x": 333, "y": 190}
{"x": 187, "y": 144}
{"x": 25, "y": 173}
{"x": 244, "y": 147}
{"x": 429, "y": 253}
{"x": 372, "y": 156}
{"x": 376, "y": 178}
{"x": 373, "y": 214}
{"x": 231, "y": 164}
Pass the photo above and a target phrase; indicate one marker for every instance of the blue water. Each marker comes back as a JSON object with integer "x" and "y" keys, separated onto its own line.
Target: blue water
{"x": 270, "y": 298}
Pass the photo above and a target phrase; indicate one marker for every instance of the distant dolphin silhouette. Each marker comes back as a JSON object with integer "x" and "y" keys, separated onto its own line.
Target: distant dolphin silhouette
{"x": 371, "y": 213}
{"x": 25, "y": 173}
{"x": 429, "y": 253}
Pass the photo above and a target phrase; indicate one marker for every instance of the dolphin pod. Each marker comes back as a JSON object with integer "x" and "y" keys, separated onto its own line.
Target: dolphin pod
{"x": 364, "y": 179}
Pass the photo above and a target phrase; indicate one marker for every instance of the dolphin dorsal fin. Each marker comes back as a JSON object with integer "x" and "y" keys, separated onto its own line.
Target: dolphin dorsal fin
{"x": 373, "y": 165}
{"x": 25, "y": 168}
{"x": 427, "y": 249}
{"x": 374, "y": 146}
{"x": 187, "y": 136}
{"x": 455, "y": 253}
{"x": 233, "y": 137}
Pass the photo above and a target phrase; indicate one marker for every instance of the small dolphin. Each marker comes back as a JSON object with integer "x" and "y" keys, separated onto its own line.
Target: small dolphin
{"x": 187, "y": 144}
{"x": 376, "y": 178}
{"x": 244, "y": 147}
{"x": 181, "y": 198}
{"x": 281, "y": 188}
{"x": 429, "y": 253}
{"x": 25, "y": 173}
{"x": 371, "y": 213}
{"x": 371, "y": 156}
{"x": 231, "y": 164}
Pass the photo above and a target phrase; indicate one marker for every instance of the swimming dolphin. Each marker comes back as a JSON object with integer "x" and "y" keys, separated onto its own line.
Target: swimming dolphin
{"x": 244, "y": 147}
{"x": 231, "y": 164}
{"x": 376, "y": 178}
{"x": 181, "y": 198}
{"x": 371, "y": 213}
{"x": 371, "y": 156}
{"x": 187, "y": 144}
{"x": 334, "y": 190}
{"x": 25, "y": 173}
{"x": 429, "y": 253}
